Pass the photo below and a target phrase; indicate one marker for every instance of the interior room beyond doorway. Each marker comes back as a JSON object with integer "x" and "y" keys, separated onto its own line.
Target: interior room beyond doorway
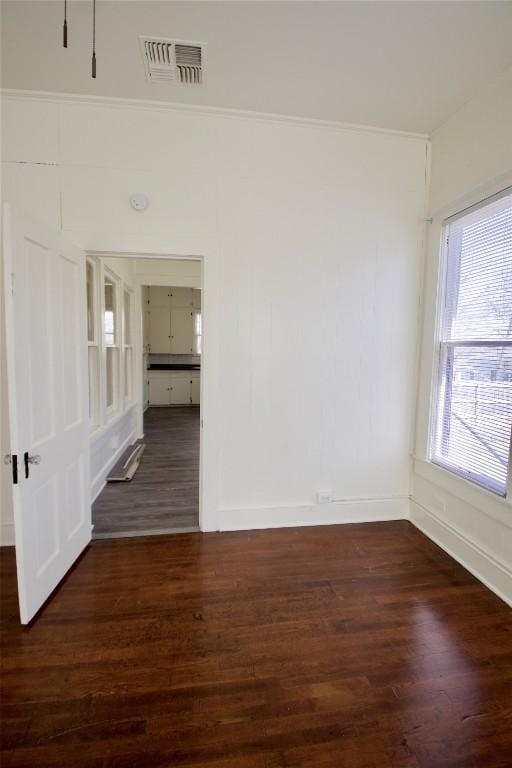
{"x": 145, "y": 344}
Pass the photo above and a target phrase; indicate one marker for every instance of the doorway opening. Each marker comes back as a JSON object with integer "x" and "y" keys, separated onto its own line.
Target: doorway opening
{"x": 145, "y": 342}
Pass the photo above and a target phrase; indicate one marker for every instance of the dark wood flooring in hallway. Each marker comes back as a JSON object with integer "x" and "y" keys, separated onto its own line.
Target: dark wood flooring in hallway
{"x": 351, "y": 646}
{"x": 164, "y": 493}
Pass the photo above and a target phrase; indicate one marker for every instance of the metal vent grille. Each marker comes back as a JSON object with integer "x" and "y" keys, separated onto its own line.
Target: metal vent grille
{"x": 189, "y": 63}
{"x": 172, "y": 61}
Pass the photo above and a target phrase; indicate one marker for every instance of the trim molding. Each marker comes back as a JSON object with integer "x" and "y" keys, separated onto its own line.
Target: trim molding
{"x": 237, "y": 114}
{"x": 7, "y": 535}
{"x": 493, "y": 573}
{"x": 345, "y": 511}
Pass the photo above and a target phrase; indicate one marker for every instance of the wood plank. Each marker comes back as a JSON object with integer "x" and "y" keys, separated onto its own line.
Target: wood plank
{"x": 356, "y": 645}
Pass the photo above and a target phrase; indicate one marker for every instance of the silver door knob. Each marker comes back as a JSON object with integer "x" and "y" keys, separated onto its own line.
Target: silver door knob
{"x": 35, "y": 459}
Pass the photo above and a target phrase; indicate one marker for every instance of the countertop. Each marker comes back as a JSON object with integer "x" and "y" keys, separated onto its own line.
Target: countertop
{"x": 174, "y": 367}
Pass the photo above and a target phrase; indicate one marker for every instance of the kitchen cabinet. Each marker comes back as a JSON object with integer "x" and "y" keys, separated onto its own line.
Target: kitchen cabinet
{"x": 159, "y": 390}
{"x": 171, "y": 320}
{"x": 145, "y": 317}
{"x": 174, "y": 387}
{"x": 195, "y": 388}
{"x": 182, "y": 332}
{"x": 160, "y": 330}
{"x": 180, "y": 391}
{"x": 181, "y": 298}
{"x": 159, "y": 296}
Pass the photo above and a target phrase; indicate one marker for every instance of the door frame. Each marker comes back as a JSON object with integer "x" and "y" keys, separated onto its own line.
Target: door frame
{"x": 162, "y": 256}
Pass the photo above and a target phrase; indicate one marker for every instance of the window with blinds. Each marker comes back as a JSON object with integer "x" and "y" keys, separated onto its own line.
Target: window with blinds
{"x": 473, "y": 413}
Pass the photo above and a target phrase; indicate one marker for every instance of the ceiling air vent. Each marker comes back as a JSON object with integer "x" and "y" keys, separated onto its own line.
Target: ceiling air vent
{"x": 172, "y": 61}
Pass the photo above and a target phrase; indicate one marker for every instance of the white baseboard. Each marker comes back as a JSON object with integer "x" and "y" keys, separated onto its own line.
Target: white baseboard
{"x": 347, "y": 511}
{"x": 496, "y": 575}
{"x": 7, "y": 535}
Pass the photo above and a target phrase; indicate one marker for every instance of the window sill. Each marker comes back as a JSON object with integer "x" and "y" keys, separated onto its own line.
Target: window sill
{"x": 491, "y": 504}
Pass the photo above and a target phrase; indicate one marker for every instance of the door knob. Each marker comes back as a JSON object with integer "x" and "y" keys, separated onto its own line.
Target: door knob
{"x": 35, "y": 459}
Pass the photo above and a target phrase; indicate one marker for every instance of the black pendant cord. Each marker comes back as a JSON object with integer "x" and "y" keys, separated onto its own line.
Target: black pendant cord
{"x": 93, "y": 72}
{"x": 65, "y": 25}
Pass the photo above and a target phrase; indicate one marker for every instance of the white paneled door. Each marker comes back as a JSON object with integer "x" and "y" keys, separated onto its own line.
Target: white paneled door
{"x": 46, "y": 343}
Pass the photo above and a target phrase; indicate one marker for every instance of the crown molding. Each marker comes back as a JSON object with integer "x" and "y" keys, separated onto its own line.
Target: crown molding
{"x": 193, "y": 109}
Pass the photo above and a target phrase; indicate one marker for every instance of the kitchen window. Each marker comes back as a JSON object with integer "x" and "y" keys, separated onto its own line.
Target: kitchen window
{"x": 471, "y": 429}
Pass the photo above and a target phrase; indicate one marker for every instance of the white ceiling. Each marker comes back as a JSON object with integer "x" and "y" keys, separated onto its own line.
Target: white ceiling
{"x": 402, "y": 65}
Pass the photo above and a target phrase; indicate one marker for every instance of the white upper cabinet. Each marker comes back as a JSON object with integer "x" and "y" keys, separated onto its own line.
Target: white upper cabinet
{"x": 160, "y": 330}
{"x": 172, "y": 320}
{"x": 159, "y": 297}
{"x": 181, "y": 297}
{"x": 182, "y": 332}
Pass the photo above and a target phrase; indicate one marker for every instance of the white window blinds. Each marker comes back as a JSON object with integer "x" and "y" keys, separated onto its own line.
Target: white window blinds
{"x": 473, "y": 417}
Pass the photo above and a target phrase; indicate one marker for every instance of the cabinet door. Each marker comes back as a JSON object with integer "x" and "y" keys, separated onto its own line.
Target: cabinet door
{"x": 195, "y": 389}
{"x": 159, "y": 297}
{"x": 181, "y": 297}
{"x": 180, "y": 391}
{"x": 196, "y": 298}
{"x": 160, "y": 330}
{"x": 146, "y": 320}
{"x": 182, "y": 332}
{"x": 159, "y": 390}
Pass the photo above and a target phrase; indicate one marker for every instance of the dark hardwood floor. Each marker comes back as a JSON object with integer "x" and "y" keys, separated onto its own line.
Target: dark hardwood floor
{"x": 164, "y": 493}
{"x": 352, "y": 646}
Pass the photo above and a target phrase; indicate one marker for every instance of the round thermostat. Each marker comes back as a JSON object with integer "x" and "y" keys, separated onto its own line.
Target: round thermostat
{"x": 139, "y": 201}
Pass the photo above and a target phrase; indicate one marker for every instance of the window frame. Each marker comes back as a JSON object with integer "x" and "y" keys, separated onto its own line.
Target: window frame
{"x": 444, "y": 347}
{"x": 94, "y": 376}
{"x": 111, "y": 411}
{"x": 127, "y": 396}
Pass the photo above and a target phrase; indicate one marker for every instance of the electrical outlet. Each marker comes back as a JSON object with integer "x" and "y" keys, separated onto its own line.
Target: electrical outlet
{"x": 324, "y": 497}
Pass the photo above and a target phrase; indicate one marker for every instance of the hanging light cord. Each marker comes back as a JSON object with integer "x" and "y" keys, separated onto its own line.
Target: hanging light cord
{"x": 65, "y": 25}
{"x": 93, "y": 72}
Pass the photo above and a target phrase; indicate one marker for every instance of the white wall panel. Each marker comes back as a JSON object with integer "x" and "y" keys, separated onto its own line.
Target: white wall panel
{"x": 35, "y": 188}
{"x": 144, "y": 139}
{"x": 474, "y": 146}
{"x": 311, "y": 243}
{"x": 98, "y": 199}
{"x": 108, "y": 444}
{"x": 30, "y": 131}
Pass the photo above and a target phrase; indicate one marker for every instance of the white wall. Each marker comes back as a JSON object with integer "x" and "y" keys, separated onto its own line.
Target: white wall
{"x": 312, "y": 246}
{"x": 471, "y": 159}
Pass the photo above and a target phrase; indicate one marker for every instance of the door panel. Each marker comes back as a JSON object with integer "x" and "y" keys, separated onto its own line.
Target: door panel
{"x": 159, "y": 390}
{"x": 46, "y": 346}
{"x": 160, "y": 331}
{"x": 196, "y": 298}
{"x": 159, "y": 297}
{"x": 180, "y": 391}
{"x": 181, "y": 297}
{"x": 195, "y": 389}
{"x": 182, "y": 331}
